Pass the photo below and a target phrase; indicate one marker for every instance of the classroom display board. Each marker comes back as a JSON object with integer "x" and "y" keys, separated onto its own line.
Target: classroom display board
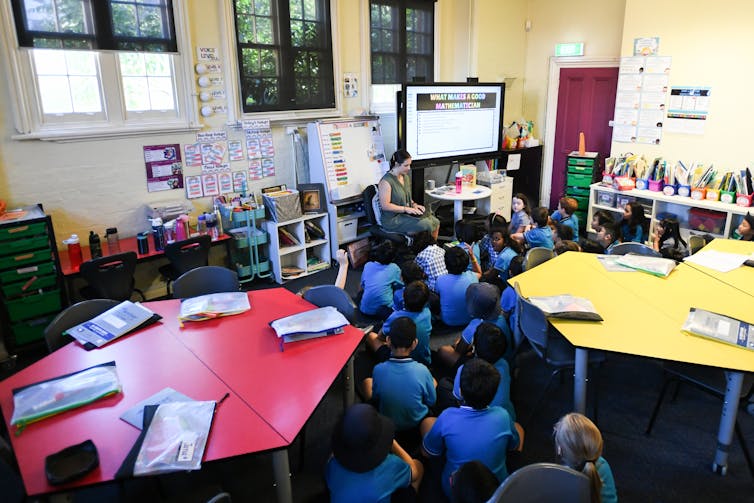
{"x": 346, "y": 155}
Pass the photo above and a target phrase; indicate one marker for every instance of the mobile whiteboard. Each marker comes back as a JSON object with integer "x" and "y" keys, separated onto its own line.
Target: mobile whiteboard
{"x": 346, "y": 155}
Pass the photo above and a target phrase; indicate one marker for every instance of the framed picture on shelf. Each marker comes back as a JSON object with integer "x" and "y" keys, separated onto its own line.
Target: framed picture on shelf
{"x": 312, "y": 197}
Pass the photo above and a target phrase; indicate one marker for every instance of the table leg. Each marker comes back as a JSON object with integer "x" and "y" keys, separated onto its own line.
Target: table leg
{"x": 349, "y": 396}
{"x": 282, "y": 476}
{"x": 580, "y": 380}
{"x": 457, "y": 212}
{"x": 727, "y": 420}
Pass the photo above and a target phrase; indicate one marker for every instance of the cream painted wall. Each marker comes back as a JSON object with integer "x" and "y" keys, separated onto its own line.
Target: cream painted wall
{"x": 710, "y": 47}
{"x": 597, "y": 23}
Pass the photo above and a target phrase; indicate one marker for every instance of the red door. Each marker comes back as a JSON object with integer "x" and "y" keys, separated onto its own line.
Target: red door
{"x": 586, "y": 102}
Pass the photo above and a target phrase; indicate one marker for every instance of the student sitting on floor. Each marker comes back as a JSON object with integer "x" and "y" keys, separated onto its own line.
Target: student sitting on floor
{"x": 667, "y": 237}
{"x": 608, "y": 236}
{"x": 473, "y": 431}
{"x": 472, "y": 483}
{"x": 378, "y": 280}
{"x": 578, "y": 443}
{"x": 746, "y": 228}
{"x": 599, "y": 217}
{"x": 540, "y": 234}
{"x": 634, "y": 226}
{"x": 451, "y": 288}
{"x": 367, "y": 463}
{"x": 430, "y": 257}
{"x": 410, "y": 272}
{"x": 403, "y": 388}
{"x": 521, "y": 218}
{"x": 566, "y": 215}
{"x": 415, "y": 297}
{"x": 565, "y": 245}
{"x": 487, "y": 253}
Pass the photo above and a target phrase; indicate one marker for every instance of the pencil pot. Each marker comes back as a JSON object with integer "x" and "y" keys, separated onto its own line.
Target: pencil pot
{"x": 684, "y": 190}
{"x": 642, "y": 183}
{"x": 654, "y": 185}
{"x": 607, "y": 179}
{"x": 727, "y": 197}
{"x": 670, "y": 190}
{"x": 712, "y": 195}
{"x": 743, "y": 199}
{"x": 697, "y": 194}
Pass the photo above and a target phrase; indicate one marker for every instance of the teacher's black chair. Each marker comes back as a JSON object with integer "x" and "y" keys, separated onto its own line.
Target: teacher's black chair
{"x": 373, "y": 211}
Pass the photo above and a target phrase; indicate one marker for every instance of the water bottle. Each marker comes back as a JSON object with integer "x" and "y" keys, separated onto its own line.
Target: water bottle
{"x": 95, "y": 246}
{"x": 142, "y": 243}
{"x": 113, "y": 243}
{"x": 459, "y": 182}
{"x": 180, "y": 228}
{"x": 158, "y": 234}
{"x": 74, "y": 250}
{"x": 201, "y": 224}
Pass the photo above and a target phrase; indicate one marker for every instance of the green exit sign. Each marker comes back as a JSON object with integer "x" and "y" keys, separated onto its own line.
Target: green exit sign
{"x": 572, "y": 49}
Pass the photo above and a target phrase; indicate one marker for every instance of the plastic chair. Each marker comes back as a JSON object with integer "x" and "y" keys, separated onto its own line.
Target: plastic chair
{"x": 184, "y": 256}
{"x": 709, "y": 380}
{"x": 110, "y": 277}
{"x": 536, "y": 256}
{"x": 544, "y": 483}
{"x": 635, "y": 248}
{"x": 331, "y": 295}
{"x": 696, "y": 243}
{"x": 552, "y": 347}
{"x": 205, "y": 280}
{"x": 72, "y": 316}
{"x": 373, "y": 211}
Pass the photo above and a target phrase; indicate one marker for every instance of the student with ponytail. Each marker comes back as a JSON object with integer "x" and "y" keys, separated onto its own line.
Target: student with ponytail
{"x": 578, "y": 444}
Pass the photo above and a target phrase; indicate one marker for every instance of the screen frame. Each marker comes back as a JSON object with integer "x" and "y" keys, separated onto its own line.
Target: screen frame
{"x": 448, "y": 159}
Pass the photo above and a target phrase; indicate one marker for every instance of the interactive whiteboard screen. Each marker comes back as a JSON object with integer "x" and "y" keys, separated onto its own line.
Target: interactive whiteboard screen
{"x": 346, "y": 155}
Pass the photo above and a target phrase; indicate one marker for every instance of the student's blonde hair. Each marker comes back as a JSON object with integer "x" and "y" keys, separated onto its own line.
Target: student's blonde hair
{"x": 578, "y": 443}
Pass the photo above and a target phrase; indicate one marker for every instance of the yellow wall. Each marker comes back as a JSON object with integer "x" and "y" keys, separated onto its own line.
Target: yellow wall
{"x": 710, "y": 46}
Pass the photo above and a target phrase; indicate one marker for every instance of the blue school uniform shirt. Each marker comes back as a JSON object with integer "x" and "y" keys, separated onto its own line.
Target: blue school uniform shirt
{"x": 636, "y": 236}
{"x": 464, "y": 434}
{"x": 468, "y": 333}
{"x": 452, "y": 291}
{"x": 423, "y": 321}
{"x": 571, "y": 221}
{"x": 502, "y": 395}
{"x": 608, "y": 493}
{"x": 539, "y": 236}
{"x": 378, "y": 281}
{"x": 519, "y": 218}
{"x": 376, "y": 485}
{"x": 404, "y": 390}
{"x": 503, "y": 262}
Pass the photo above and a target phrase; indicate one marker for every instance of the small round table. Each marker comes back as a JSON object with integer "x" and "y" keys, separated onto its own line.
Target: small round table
{"x": 448, "y": 193}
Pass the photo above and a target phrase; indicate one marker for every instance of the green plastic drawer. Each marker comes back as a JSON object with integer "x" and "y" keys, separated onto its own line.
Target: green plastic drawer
{"x": 24, "y": 273}
{"x": 31, "y": 330}
{"x": 26, "y": 244}
{"x": 583, "y": 202}
{"x": 33, "y": 306}
{"x": 581, "y": 216}
{"x": 24, "y": 259}
{"x": 577, "y": 191}
{"x": 580, "y": 170}
{"x": 581, "y": 161}
{"x": 30, "y": 285}
{"x": 23, "y": 231}
{"x": 578, "y": 180}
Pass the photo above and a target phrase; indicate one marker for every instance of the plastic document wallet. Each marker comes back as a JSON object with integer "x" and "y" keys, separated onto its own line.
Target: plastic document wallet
{"x": 719, "y": 327}
{"x": 309, "y": 324}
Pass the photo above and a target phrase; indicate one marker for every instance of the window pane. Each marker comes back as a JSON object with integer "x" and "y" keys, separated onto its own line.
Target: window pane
{"x": 263, "y": 7}
{"x": 56, "y": 16}
{"x": 310, "y": 10}
{"x": 85, "y": 94}
{"x": 150, "y": 23}
{"x": 49, "y": 63}
{"x": 264, "y": 31}
{"x": 136, "y": 93}
{"x": 132, "y": 63}
{"x": 161, "y": 93}
{"x": 245, "y": 29}
{"x": 296, "y": 9}
{"x": 55, "y": 93}
{"x": 68, "y": 81}
{"x": 147, "y": 81}
{"x": 124, "y": 20}
{"x": 158, "y": 64}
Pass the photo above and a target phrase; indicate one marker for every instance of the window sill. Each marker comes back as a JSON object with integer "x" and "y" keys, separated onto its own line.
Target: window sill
{"x": 73, "y": 135}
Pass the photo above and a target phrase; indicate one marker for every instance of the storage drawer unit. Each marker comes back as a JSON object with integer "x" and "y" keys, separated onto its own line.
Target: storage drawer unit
{"x": 31, "y": 286}
{"x": 581, "y": 171}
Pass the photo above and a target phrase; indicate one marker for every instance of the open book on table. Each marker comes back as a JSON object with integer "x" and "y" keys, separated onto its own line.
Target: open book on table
{"x": 113, "y": 323}
{"x": 214, "y": 305}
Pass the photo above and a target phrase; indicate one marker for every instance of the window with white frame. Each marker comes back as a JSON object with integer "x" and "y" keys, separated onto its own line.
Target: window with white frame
{"x": 96, "y": 67}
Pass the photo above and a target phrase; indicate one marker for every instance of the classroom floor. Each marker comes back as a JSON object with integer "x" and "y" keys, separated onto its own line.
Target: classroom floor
{"x": 671, "y": 465}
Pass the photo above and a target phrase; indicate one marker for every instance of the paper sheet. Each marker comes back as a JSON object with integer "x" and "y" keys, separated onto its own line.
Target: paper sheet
{"x": 717, "y": 260}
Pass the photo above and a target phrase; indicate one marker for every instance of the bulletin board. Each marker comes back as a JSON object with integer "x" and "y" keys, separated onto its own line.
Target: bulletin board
{"x": 346, "y": 155}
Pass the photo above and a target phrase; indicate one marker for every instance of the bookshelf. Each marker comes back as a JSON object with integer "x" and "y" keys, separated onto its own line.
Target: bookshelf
{"x": 299, "y": 244}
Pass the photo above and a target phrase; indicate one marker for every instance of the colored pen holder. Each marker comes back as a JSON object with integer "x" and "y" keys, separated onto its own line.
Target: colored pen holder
{"x": 728, "y": 197}
{"x": 698, "y": 193}
{"x": 712, "y": 195}
{"x": 655, "y": 185}
{"x": 743, "y": 199}
{"x": 607, "y": 179}
{"x": 642, "y": 183}
{"x": 669, "y": 189}
{"x": 684, "y": 190}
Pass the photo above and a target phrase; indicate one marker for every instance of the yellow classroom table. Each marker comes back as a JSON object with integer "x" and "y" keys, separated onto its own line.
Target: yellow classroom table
{"x": 643, "y": 315}
{"x": 742, "y": 277}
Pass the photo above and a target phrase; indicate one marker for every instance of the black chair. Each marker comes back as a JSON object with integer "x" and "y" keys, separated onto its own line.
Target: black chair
{"x": 712, "y": 381}
{"x": 110, "y": 277}
{"x": 548, "y": 344}
{"x": 184, "y": 256}
{"x": 205, "y": 280}
{"x": 544, "y": 483}
{"x": 331, "y": 295}
{"x": 635, "y": 248}
{"x": 72, "y": 316}
{"x": 373, "y": 211}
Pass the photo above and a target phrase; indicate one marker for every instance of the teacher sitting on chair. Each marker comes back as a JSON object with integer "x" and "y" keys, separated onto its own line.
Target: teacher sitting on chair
{"x": 399, "y": 212}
